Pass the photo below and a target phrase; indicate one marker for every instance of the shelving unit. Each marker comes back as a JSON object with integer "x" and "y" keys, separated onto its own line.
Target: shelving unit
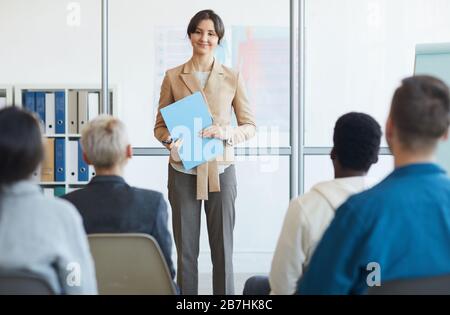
{"x": 70, "y": 158}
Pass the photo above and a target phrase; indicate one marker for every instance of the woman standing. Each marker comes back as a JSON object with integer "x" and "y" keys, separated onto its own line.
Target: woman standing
{"x": 215, "y": 181}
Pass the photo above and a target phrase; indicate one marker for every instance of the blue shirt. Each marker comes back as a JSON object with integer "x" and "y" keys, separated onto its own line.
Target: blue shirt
{"x": 402, "y": 224}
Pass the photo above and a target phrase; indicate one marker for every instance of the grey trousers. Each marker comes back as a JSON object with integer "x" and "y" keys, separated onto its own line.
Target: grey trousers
{"x": 220, "y": 217}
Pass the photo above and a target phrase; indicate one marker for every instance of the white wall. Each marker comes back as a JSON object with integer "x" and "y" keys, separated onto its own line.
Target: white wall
{"x": 39, "y": 47}
{"x": 357, "y": 51}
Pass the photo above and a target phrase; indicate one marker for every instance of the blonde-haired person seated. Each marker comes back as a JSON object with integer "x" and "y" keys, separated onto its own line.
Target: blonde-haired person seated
{"x": 39, "y": 235}
{"x": 108, "y": 204}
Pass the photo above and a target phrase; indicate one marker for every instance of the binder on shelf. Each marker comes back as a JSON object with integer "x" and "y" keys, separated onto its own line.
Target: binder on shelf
{"x": 2, "y": 102}
{"x": 60, "y": 112}
{"x": 60, "y": 160}
{"x": 93, "y": 105}
{"x": 50, "y": 114}
{"x": 91, "y": 172}
{"x": 29, "y": 101}
{"x": 59, "y": 191}
{"x": 48, "y": 192}
{"x": 82, "y": 110}
{"x": 48, "y": 165}
{"x": 83, "y": 170}
{"x": 73, "y": 161}
{"x": 40, "y": 109}
{"x": 72, "y": 110}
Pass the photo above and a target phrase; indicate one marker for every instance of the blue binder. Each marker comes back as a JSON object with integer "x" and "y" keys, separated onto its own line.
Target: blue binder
{"x": 40, "y": 108}
{"x": 185, "y": 119}
{"x": 29, "y": 101}
{"x": 60, "y": 160}
{"x": 60, "y": 112}
{"x": 83, "y": 170}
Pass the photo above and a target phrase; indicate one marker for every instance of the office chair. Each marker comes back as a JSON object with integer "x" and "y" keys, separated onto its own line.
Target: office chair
{"x": 436, "y": 285}
{"x": 130, "y": 264}
{"x": 20, "y": 283}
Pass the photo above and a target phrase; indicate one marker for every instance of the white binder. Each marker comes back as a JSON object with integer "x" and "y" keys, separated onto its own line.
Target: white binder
{"x": 2, "y": 102}
{"x": 91, "y": 172}
{"x": 93, "y": 105}
{"x": 50, "y": 113}
{"x": 72, "y": 157}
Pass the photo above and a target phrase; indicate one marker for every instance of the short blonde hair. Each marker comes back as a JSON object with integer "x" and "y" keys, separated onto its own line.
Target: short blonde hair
{"x": 104, "y": 141}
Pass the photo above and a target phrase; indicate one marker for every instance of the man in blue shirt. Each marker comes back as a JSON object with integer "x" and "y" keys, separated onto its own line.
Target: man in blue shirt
{"x": 401, "y": 227}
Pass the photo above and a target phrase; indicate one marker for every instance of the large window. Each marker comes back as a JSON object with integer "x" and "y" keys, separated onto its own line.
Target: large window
{"x": 356, "y": 53}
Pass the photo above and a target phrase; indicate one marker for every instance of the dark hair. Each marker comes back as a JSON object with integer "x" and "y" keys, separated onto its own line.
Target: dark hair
{"x": 356, "y": 140}
{"x": 420, "y": 112}
{"x": 21, "y": 148}
{"x": 206, "y": 15}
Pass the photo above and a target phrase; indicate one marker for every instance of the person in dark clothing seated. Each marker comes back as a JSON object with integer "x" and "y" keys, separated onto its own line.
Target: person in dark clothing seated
{"x": 108, "y": 204}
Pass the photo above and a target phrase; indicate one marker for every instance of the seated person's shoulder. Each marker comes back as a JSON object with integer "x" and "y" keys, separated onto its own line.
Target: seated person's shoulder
{"x": 61, "y": 209}
{"x": 320, "y": 198}
{"x": 366, "y": 206}
{"x": 306, "y": 202}
{"x": 81, "y": 196}
{"x": 74, "y": 194}
{"x": 373, "y": 195}
{"x": 151, "y": 196}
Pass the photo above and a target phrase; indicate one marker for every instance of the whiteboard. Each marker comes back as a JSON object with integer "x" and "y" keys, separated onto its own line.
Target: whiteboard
{"x": 434, "y": 59}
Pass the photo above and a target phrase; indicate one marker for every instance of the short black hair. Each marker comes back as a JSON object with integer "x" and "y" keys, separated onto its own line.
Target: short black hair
{"x": 207, "y": 15}
{"x": 420, "y": 112}
{"x": 21, "y": 148}
{"x": 356, "y": 140}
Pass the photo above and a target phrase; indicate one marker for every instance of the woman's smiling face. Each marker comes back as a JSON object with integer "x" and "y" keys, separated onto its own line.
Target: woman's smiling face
{"x": 204, "y": 40}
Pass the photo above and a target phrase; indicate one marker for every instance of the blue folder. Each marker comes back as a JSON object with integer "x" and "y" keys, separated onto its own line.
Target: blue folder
{"x": 185, "y": 119}
{"x": 60, "y": 160}
{"x": 60, "y": 112}
{"x": 40, "y": 108}
{"x": 29, "y": 101}
{"x": 83, "y": 170}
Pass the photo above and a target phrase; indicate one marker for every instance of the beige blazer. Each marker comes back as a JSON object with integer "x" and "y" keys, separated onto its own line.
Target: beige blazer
{"x": 223, "y": 92}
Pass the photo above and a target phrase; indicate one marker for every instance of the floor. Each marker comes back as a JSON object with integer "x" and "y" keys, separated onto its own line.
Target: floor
{"x": 205, "y": 283}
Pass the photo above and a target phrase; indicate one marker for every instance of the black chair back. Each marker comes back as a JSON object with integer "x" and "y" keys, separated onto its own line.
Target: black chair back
{"x": 23, "y": 284}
